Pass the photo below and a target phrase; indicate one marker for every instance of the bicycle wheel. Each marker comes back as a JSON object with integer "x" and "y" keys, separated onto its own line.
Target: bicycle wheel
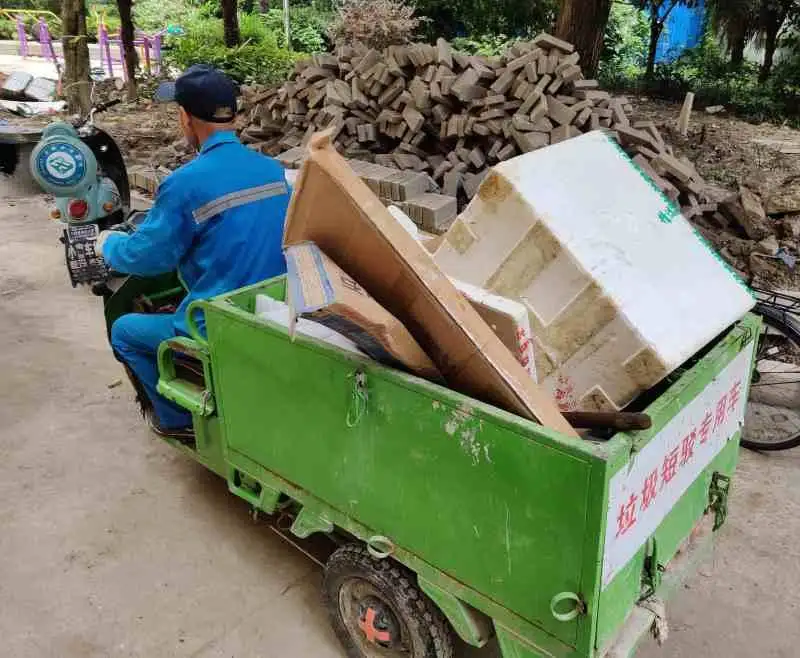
{"x": 772, "y": 421}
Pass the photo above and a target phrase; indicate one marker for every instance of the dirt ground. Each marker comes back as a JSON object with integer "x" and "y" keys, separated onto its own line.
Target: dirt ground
{"x": 115, "y": 545}
{"x": 726, "y": 150}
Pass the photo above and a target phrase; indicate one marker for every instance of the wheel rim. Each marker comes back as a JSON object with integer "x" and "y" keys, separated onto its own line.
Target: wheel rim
{"x": 773, "y": 412}
{"x": 371, "y": 620}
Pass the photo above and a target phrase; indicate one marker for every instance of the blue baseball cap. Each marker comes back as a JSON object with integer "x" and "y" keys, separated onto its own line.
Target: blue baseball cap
{"x": 204, "y": 92}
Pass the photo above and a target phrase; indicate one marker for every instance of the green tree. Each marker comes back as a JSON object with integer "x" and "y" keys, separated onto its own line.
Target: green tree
{"x": 737, "y": 22}
{"x": 76, "y": 56}
{"x": 659, "y": 12}
{"x": 773, "y": 17}
{"x": 479, "y": 18}
{"x": 126, "y": 32}
{"x": 230, "y": 21}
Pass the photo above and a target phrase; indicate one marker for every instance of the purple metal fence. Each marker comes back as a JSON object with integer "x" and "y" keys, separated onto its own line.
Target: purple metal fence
{"x": 150, "y": 45}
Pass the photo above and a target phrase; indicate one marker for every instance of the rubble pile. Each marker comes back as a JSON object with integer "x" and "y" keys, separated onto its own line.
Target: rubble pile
{"x": 422, "y": 124}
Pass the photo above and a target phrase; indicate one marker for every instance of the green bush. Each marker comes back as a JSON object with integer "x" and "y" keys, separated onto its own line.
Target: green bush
{"x": 518, "y": 18}
{"x": 487, "y": 44}
{"x": 307, "y": 27}
{"x": 258, "y": 59}
{"x": 155, "y": 15}
{"x": 704, "y": 70}
{"x": 8, "y": 29}
{"x": 624, "y": 45}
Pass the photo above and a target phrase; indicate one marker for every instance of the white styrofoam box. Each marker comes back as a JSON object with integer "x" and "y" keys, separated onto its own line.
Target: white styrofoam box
{"x": 619, "y": 287}
{"x": 507, "y": 318}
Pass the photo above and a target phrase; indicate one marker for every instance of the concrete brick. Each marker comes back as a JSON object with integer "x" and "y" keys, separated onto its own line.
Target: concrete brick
{"x": 559, "y": 112}
{"x": 452, "y": 183}
{"x": 562, "y": 133}
{"x": 433, "y": 212}
{"x": 545, "y": 40}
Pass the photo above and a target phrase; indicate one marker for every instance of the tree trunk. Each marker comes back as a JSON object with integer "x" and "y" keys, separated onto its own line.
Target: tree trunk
{"x": 583, "y": 23}
{"x": 76, "y": 83}
{"x": 656, "y": 27}
{"x": 737, "y": 44}
{"x": 737, "y": 53}
{"x": 127, "y": 36}
{"x": 230, "y": 22}
{"x": 770, "y": 45}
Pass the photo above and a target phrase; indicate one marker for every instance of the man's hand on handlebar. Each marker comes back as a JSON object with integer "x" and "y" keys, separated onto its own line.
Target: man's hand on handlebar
{"x": 124, "y": 227}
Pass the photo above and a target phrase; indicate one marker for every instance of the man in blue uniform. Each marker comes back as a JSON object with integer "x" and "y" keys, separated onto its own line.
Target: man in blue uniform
{"x": 218, "y": 221}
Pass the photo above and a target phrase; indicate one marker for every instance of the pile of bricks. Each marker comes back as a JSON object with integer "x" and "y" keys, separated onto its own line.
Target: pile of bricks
{"x": 444, "y": 118}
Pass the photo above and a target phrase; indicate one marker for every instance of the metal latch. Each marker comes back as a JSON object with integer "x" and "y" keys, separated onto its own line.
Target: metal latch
{"x": 651, "y": 578}
{"x": 718, "y": 497}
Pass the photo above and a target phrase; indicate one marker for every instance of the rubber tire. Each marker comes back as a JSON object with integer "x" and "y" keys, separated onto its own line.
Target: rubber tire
{"x": 790, "y": 327}
{"x": 430, "y": 632}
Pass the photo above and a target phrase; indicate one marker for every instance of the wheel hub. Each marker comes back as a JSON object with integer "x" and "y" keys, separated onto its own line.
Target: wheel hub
{"x": 378, "y": 623}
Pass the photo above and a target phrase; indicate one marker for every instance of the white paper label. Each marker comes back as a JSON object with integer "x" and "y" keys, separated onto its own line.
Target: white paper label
{"x": 642, "y": 495}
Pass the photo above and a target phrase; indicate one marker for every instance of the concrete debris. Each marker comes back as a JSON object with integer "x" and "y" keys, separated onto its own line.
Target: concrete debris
{"x": 786, "y": 199}
{"x": 20, "y": 85}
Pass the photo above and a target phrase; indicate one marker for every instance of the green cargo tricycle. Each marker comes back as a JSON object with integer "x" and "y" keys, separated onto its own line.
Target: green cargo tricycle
{"x": 435, "y": 514}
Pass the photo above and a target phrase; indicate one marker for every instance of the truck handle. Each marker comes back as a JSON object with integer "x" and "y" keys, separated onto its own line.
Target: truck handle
{"x": 191, "y": 397}
{"x": 577, "y": 608}
{"x": 197, "y": 306}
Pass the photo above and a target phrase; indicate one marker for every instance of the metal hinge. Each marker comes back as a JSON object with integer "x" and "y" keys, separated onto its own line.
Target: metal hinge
{"x": 718, "y": 498}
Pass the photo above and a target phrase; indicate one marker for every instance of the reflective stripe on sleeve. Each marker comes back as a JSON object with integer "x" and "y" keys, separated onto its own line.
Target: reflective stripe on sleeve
{"x": 238, "y": 198}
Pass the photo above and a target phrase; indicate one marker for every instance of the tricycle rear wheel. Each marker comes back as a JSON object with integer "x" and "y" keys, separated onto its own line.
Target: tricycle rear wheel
{"x": 377, "y": 611}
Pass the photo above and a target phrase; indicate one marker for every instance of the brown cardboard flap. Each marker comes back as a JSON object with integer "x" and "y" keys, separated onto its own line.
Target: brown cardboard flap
{"x": 333, "y": 208}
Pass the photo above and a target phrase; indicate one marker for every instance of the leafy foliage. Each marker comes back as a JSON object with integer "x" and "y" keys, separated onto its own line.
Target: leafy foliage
{"x": 625, "y": 44}
{"x": 735, "y": 20}
{"x": 154, "y": 15}
{"x": 374, "y": 23}
{"x": 458, "y": 18}
{"x": 308, "y": 28}
{"x": 705, "y": 71}
{"x": 487, "y": 44}
{"x": 258, "y": 59}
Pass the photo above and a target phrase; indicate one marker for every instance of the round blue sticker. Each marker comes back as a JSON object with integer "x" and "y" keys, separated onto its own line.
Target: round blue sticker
{"x": 61, "y": 164}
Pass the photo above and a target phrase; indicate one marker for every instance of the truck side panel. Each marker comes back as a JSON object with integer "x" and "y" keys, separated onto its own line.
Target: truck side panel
{"x": 408, "y": 460}
{"x": 675, "y": 467}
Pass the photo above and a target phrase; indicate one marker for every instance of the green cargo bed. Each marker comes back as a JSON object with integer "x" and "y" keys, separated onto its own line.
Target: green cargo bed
{"x": 563, "y": 546}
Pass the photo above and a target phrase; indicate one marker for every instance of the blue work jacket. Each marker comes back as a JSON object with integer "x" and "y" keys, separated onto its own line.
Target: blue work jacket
{"x": 218, "y": 221}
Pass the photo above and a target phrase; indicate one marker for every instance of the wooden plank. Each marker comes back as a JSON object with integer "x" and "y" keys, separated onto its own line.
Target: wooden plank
{"x": 686, "y": 114}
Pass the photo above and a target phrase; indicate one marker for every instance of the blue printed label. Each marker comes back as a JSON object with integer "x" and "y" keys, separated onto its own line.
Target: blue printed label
{"x": 61, "y": 164}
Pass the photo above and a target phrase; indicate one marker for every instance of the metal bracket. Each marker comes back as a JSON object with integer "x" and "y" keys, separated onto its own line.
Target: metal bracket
{"x": 307, "y": 523}
{"x": 471, "y": 625}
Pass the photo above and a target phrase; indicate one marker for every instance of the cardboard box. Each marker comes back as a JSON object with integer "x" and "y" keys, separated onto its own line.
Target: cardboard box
{"x": 321, "y": 291}
{"x": 333, "y": 208}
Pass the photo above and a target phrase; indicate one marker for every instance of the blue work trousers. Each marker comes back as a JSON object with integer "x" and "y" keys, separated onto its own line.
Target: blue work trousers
{"x": 135, "y": 339}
